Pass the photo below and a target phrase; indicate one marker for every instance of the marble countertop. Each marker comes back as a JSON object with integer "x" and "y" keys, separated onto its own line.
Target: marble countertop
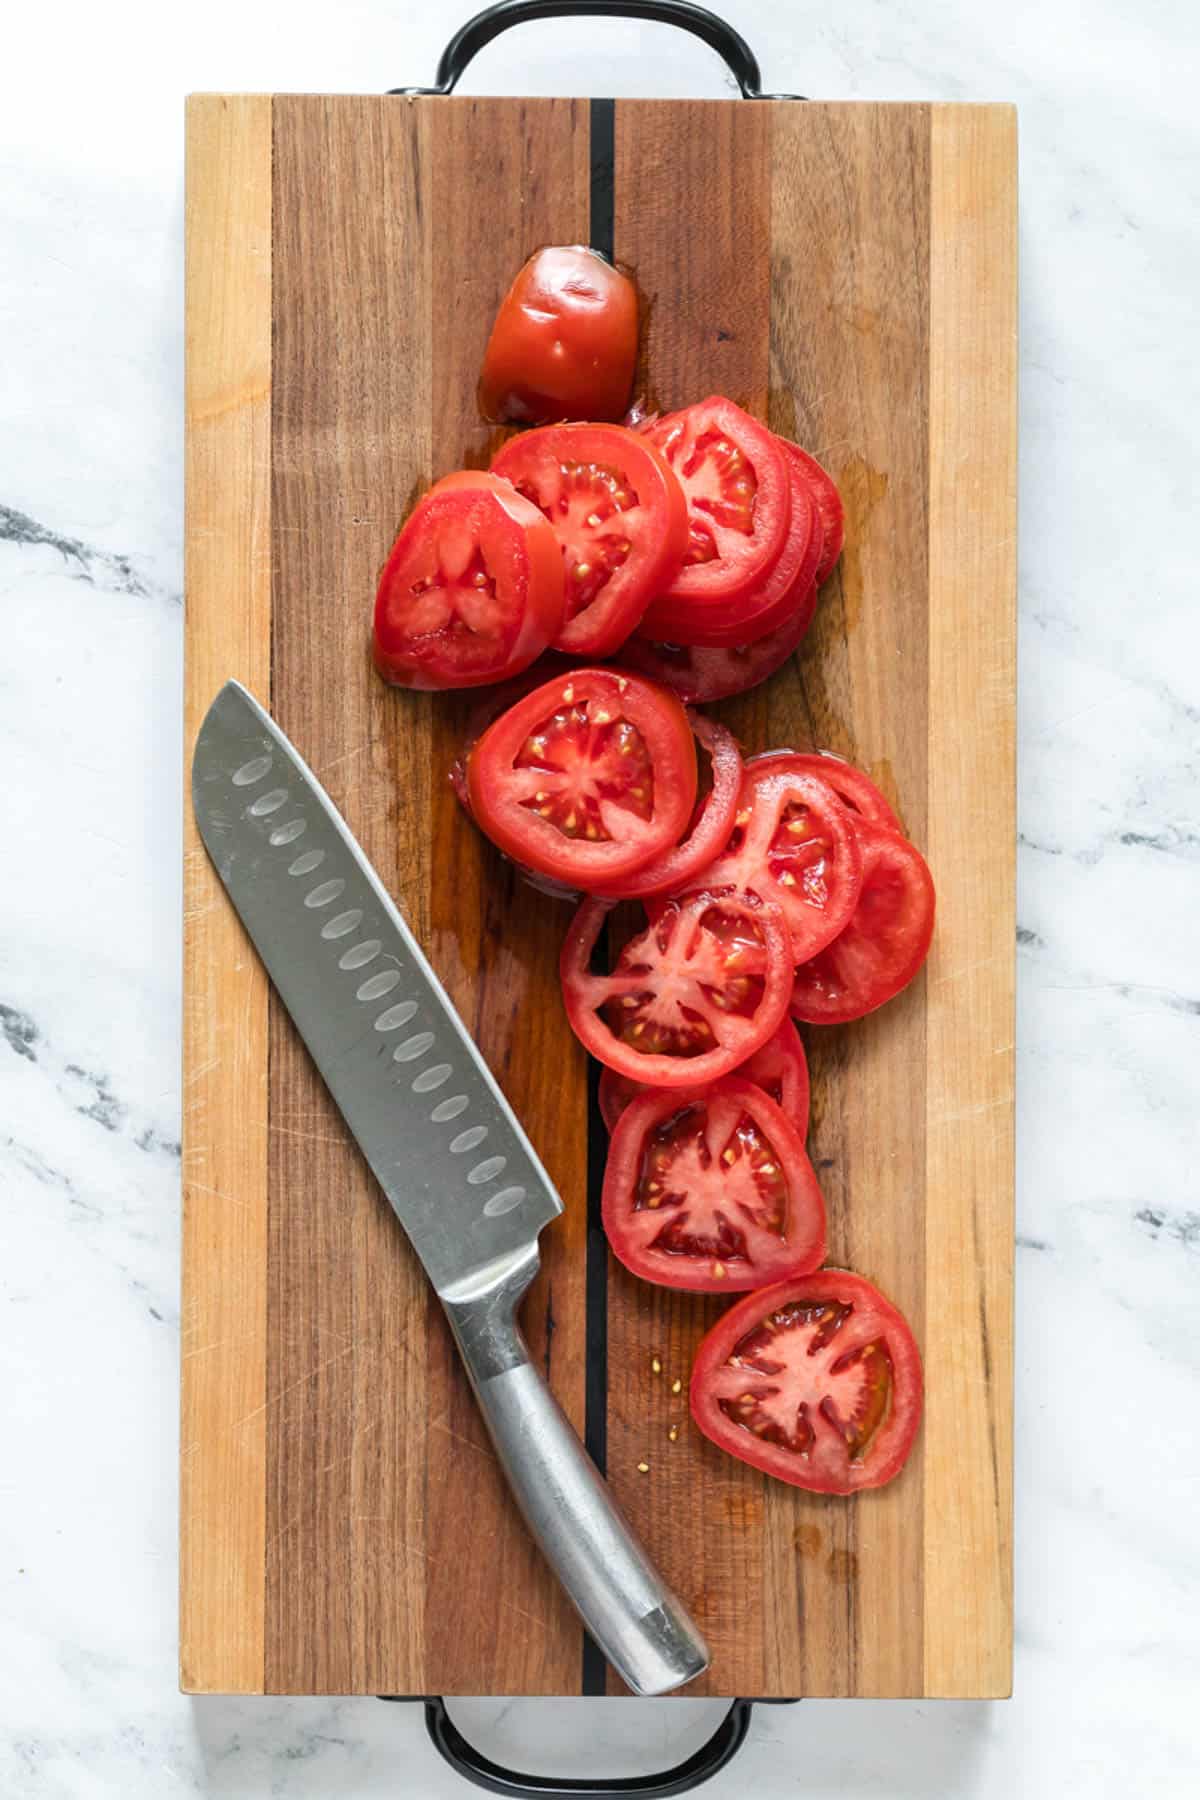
{"x": 1109, "y": 1008}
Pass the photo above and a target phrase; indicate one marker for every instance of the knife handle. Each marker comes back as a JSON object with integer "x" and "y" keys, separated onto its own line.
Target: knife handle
{"x": 639, "y": 1624}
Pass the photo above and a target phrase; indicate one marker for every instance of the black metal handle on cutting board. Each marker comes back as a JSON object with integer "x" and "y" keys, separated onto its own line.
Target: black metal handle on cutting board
{"x": 473, "y": 1766}
{"x": 729, "y": 44}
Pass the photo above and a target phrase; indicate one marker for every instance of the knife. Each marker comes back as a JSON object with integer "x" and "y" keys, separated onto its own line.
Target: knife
{"x": 442, "y": 1142}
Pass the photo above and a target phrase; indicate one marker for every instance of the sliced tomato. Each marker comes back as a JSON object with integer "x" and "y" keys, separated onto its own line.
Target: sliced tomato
{"x": 793, "y": 844}
{"x": 618, "y": 513}
{"x": 816, "y": 1381}
{"x": 780, "y": 1068}
{"x": 564, "y": 344}
{"x": 473, "y": 589}
{"x": 829, "y": 505}
{"x": 855, "y": 790}
{"x": 885, "y": 942}
{"x": 679, "y": 866}
{"x": 700, "y": 676}
{"x": 711, "y": 1189}
{"x": 767, "y": 606}
{"x": 689, "y": 998}
{"x": 590, "y": 776}
{"x": 737, "y": 483}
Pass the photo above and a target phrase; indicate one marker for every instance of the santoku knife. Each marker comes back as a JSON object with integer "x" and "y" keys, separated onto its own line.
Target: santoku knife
{"x": 442, "y": 1142}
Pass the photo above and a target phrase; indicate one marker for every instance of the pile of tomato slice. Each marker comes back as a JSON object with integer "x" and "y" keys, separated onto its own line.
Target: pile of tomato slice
{"x": 773, "y": 889}
{"x": 691, "y": 545}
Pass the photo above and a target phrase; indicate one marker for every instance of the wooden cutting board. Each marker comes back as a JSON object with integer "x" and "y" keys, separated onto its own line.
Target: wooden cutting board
{"x": 848, "y": 273}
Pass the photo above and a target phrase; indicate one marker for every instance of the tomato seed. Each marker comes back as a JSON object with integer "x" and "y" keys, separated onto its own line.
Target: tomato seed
{"x": 656, "y": 1365}
{"x": 643, "y": 1468}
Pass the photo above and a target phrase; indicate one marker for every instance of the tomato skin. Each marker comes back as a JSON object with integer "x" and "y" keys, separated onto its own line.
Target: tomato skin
{"x": 827, "y": 1465}
{"x": 564, "y": 343}
{"x": 679, "y": 866}
{"x": 766, "y": 607}
{"x": 856, "y": 791}
{"x": 829, "y": 504}
{"x": 736, "y": 1151}
{"x": 780, "y": 1068}
{"x": 687, "y": 944}
{"x": 884, "y": 944}
{"x": 576, "y": 472}
{"x": 468, "y": 516}
{"x": 715, "y": 445}
{"x": 588, "y": 701}
{"x": 699, "y": 676}
{"x": 814, "y": 877}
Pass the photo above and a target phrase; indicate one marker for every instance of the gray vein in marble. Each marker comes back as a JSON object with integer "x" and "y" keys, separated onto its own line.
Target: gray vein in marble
{"x": 1184, "y": 1227}
{"x": 87, "y": 1093}
{"x": 100, "y": 568}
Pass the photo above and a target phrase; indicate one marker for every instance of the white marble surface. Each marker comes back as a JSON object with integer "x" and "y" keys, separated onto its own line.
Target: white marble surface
{"x": 1109, "y": 1219}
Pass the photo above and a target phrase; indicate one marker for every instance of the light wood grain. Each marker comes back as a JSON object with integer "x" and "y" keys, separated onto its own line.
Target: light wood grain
{"x": 227, "y": 600}
{"x": 972, "y": 827}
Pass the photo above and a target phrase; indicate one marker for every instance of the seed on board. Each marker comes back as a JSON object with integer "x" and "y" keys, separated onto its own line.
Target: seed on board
{"x": 643, "y": 1468}
{"x": 676, "y": 1386}
{"x": 656, "y": 1365}
{"x": 673, "y": 1433}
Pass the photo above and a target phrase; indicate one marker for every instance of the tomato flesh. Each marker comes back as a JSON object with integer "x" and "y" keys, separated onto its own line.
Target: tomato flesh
{"x": 856, "y": 791}
{"x": 591, "y": 775}
{"x": 619, "y": 515}
{"x": 738, "y": 489}
{"x": 711, "y": 1190}
{"x": 794, "y": 844}
{"x": 885, "y": 941}
{"x": 680, "y": 865}
{"x": 780, "y": 1069}
{"x": 688, "y": 998}
{"x": 564, "y": 344}
{"x": 471, "y": 592}
{"x": 816, "y": 1380}
{"x": 828, "y": 501}
{"x": 699, "y": 675}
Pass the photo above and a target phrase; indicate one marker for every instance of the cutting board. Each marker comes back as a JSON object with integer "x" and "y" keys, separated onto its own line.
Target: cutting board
{"x": 848, "y": 273}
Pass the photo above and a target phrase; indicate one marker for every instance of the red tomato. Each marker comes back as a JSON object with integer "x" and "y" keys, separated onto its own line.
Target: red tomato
{"x": 829, "y": 505}
{"x": 763, "y": 609}
{"x": 592, "y": 775}
{"x": 682, "y": 863}
{"x": 855, "y": 790}
{"x": 689, "y": 998}
{"x": 710, "y": 1189}
{"x": 816, "y": 1381}
{"x": 885, "y": 942}
{"x": 794, "y": 844}
{"x": 618, "y": 513}
{"x": 780, "y": 1069}
{"x": 564, "y": 343}
{"x": 473, "y": 589}
{"x": 701, "y": 676}
{"x": 736, "y": 480}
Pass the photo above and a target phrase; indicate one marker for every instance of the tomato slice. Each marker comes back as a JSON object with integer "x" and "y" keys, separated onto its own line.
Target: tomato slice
{"x": 592, "y": 775}
{"x": 619, "y": 514}
{"x": 829, "y": 505}
{"x": 737, "y": 484}
{"x": 679, "y": 866}
{"x": 700, "y": 676}
{"x": 472, "y": 591}
{"x": 816, "y": 1381}
{"x": 689, "y": 998}
{"x": 767, "y": 606}
{"x": 856, "y": 791}
{"x": 711, "y": 1189}
{"x": 885, "y": 942}
{"x": 780, "y": 1069}
{"x": 793, "y": 844}
{"x": 564, "y": 344}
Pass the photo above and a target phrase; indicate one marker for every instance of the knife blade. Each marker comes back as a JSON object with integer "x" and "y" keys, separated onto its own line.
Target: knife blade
{"x": 440, "y": 1138}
